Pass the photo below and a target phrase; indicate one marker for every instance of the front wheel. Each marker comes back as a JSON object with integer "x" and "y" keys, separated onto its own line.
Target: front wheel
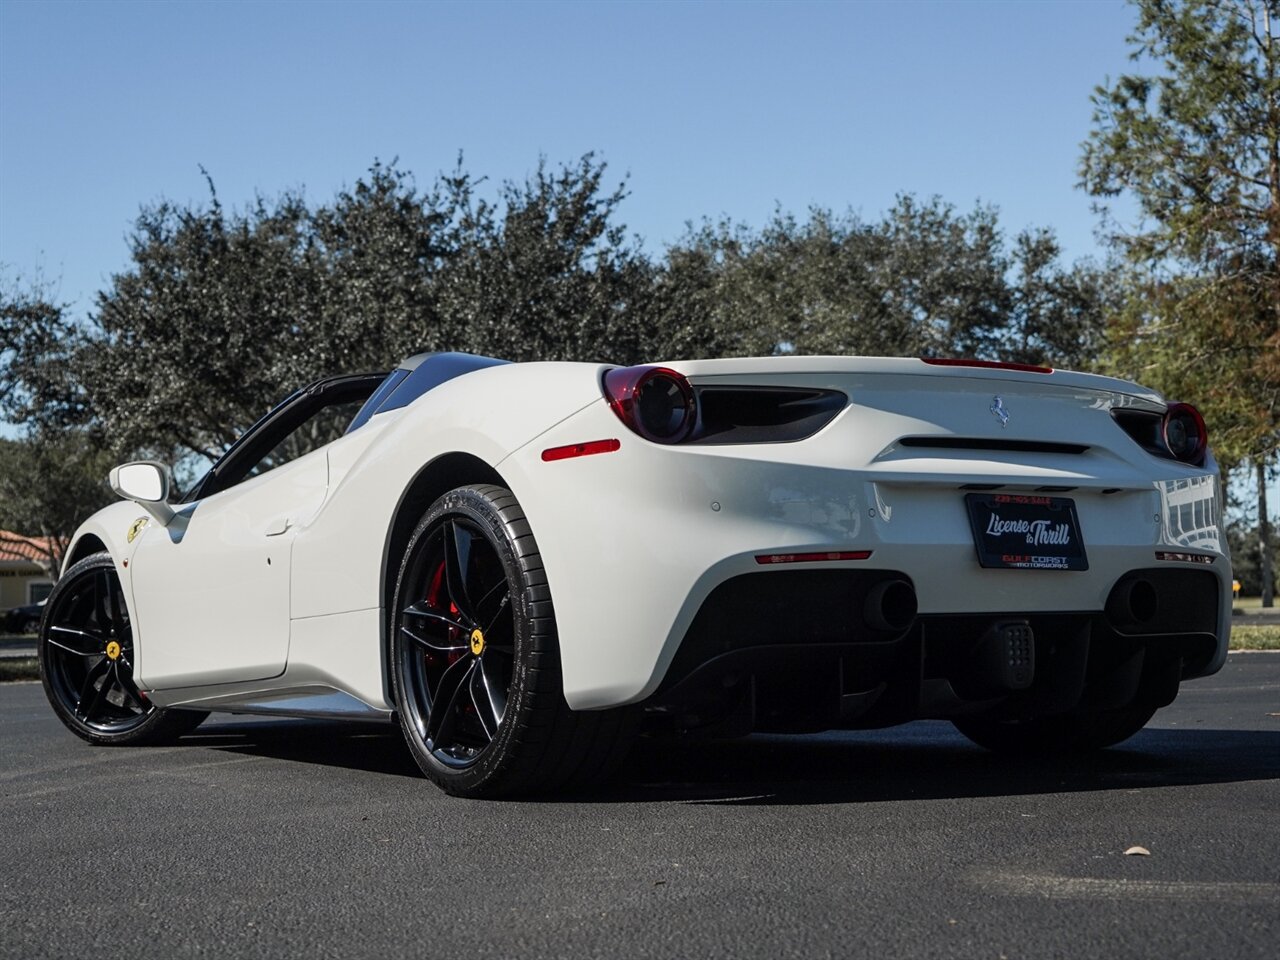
{"x": 475, "y": 661}
{"x": 86, "y": 653}
{"x": 1080, "y": 731}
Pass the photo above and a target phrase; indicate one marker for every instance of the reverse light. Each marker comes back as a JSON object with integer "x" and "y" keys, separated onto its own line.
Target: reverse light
{"x": 654, "y": 402}
{"x": 1185, "y": 434}
{"x": 1178, "y": 557}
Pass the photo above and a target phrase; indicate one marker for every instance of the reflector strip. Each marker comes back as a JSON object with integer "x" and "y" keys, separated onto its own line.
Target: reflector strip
{"x": 580, "y": 449}
{"x": 812, "y": 557}
{"x": 990, "y": 364}
{"x": 1184, "y": 557}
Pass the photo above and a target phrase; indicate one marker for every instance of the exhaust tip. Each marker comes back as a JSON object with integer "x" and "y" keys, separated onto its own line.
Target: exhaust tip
{"x": 890, "y": 605}
{"x": 1133, "y": 603}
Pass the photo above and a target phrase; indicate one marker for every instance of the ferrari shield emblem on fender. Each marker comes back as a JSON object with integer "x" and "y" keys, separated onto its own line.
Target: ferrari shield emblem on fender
{"x": 136, "y": 528}
{"x": 999, "y": 412}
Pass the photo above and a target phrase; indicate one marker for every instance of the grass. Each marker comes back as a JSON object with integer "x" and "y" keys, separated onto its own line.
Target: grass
{"x": 1245, "y": 637}
{"x": 19, "y": 668}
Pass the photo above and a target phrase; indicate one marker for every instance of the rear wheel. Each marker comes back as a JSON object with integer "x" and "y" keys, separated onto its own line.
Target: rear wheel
{"x": 475, "y": 661}
{"x": 86, "y": 662}
{"x": 1079, "y": 731}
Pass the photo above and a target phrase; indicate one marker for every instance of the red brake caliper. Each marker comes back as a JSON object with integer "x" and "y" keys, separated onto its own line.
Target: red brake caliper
{"x": 433, "y": 603}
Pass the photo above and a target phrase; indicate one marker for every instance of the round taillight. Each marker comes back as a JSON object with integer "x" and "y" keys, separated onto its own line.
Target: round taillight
{"x": 654, "y": 402}
{"x": 1185, "y": 434}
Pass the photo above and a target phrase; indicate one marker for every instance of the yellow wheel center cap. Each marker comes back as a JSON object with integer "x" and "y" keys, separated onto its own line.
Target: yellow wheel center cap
{"x": 477, "y": 642}
{"x": 113, "y": 650}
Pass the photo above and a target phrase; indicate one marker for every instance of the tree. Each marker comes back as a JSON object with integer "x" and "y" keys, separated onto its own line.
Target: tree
{"x": 546, "y": 272}
{"x": 37, "y": 341}
{"x": 193, "y": 343}
{"x": 1197, "y": 145}
{"x": 924, "y": 280}
{"x": 221, "y": 313}
{"x": 49, "y": 484}
{"x": 1056, "y": 314}
{"x": 1246, "y": 554}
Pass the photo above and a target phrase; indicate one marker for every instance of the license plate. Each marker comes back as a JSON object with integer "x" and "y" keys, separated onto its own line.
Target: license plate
{"x": 1026, "y": 532}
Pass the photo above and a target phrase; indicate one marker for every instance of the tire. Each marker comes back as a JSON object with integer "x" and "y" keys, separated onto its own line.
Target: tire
{"x": 475, "y": 663}
{"x": 85, "y": 646}
{"x": 1080, "y": 731}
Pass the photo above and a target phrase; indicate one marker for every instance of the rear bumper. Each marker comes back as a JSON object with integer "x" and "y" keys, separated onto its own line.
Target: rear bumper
{"x": 636, "y": 542}
{"x": 813, "y": 649}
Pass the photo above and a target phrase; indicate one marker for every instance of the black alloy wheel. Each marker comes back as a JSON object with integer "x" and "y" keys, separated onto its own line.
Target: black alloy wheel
{"x": 475, "y": 661}
{"x": 459, "y": 658}
{"x": 86, "y": 662}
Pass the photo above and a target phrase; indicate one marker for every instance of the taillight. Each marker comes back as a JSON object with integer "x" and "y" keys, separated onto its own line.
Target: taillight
{"x": 654, "y": 402}
{"x": 1177, "y": 434}
{"x": 1185, "y": 434}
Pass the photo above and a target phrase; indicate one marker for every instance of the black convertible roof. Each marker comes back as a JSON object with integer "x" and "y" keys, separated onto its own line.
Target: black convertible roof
{"x": 415, "y": 376}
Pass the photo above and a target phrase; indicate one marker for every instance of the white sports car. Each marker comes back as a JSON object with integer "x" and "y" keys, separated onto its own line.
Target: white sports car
{"x": 524, "y": 564}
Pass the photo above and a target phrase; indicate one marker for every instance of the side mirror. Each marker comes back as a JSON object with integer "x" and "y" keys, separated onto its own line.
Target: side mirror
{"x": 146, "y": 483}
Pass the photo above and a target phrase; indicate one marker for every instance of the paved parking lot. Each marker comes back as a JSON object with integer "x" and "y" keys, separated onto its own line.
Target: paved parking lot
{"x": 270, "y": 838}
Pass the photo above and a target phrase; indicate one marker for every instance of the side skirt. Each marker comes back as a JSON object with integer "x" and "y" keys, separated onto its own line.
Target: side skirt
{"x": 314, "y": 700}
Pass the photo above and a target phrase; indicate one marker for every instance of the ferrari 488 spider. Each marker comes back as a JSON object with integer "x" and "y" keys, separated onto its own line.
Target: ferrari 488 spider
{"x": 526, "y": 564}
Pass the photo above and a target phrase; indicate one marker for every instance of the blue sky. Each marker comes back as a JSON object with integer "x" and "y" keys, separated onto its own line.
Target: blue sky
{"x": 711, "y": 108}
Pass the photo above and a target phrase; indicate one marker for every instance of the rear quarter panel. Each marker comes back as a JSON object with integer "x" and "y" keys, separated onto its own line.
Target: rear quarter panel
{"x": 338, "y": 557}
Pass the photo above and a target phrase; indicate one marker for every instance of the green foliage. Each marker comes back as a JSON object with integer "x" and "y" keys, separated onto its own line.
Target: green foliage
{"x": 37, "y": 342}
{"x": 49, "y": 484}
{"x": 546, "y": 274}
{"x": 1057, "y": 314}
{"x": 1197, "y": 145}
{"x": 923, "y": 281}
{"x": 1246, "y": 556}
{"x": 222, "y": 313}
{"x": 1245, "y": 636}
{"x": 1204, "y": 341}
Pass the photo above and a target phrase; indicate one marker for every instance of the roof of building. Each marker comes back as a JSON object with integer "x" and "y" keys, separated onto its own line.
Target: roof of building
{"x": 16, "y": 547}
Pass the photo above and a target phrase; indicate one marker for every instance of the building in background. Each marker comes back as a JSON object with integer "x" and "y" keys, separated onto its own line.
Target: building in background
{"x": 24, "y": 579}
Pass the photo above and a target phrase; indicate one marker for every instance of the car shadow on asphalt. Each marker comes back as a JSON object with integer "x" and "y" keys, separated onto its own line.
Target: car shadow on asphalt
{"x": 930, "y": 762}
{"x": 919, "y": 761}
{"x": 371, "y": 747}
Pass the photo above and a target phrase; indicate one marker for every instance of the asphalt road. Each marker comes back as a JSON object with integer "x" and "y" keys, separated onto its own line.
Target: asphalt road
{"x": 297, "y": 838}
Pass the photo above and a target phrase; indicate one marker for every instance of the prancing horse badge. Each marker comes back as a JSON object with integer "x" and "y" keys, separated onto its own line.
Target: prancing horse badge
{"x": 999, "y": 412}
{"x": 136, "y": 528}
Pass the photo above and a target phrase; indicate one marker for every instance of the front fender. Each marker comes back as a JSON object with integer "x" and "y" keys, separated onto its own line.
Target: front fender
{"x": 111, "y": 527}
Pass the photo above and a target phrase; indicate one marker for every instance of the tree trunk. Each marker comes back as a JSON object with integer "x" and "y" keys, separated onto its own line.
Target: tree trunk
{"x": 1264, "y": 535}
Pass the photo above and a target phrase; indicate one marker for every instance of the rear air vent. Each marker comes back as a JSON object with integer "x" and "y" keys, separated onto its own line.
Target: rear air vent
{"x": 763, "y": 414}
{"x": 990, "y": 443}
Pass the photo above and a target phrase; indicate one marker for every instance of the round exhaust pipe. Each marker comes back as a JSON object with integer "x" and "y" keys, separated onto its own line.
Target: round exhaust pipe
{"x": 1133, "y": 603}
{"x": 890, "y": 605}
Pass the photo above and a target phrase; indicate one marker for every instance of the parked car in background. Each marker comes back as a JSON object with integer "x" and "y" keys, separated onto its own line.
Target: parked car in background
{"x": 24, "y": 619}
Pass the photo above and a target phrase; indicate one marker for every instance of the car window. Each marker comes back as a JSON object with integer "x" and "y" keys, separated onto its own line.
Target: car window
{"x": 323, "y": 428}
{"x": 305, "y": 421}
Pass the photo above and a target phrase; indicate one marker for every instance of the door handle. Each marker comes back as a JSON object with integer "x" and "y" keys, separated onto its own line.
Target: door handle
{"x": 279, "y": 526}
